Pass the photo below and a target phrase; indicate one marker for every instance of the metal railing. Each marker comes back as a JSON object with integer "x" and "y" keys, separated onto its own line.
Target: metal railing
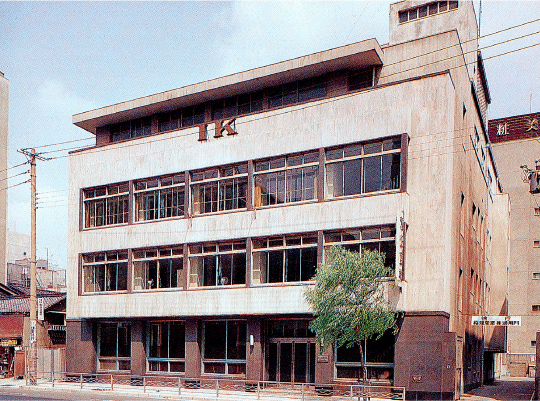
{"x": 220, "y": 387}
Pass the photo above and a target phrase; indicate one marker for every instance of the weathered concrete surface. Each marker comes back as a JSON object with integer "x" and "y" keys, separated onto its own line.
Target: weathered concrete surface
{"x": 504, "y": 389}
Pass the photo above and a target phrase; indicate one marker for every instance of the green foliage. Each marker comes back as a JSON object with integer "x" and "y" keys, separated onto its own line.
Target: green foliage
{"x": 348, "y": 298}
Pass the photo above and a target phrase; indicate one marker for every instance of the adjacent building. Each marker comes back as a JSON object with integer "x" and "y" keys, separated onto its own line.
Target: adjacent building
{"x": 4, "y": 114}
{"x": 199, "y": 217}
{"x": 515, "y": 144}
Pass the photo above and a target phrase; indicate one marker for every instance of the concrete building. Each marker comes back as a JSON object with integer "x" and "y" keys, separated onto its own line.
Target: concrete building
{"x": 514, "y": 144}
{"x": 18, "y": 246}
{"x": 4, "y": 114}
{"x": 200, "y": 215}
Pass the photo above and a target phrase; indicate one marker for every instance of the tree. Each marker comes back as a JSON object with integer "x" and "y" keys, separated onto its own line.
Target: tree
{"x": 348, "y": 300}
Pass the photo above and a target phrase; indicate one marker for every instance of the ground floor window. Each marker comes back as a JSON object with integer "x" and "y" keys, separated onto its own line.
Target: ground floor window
{"x": 114, "y": 346}
{"x": 224, "y": 347}
{"x": 166, "y": 347}
{"x": 379, "y": 359}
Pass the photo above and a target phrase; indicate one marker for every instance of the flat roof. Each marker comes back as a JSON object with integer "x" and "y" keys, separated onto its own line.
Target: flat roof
{"x": 357, "y": 55}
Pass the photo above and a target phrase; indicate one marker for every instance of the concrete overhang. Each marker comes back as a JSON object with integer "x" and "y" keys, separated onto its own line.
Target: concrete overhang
{"x": 354, "y": 56}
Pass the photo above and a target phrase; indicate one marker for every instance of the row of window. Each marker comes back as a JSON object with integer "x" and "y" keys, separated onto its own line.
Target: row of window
{"x": 427, "y": 9}
{"x": 276, "y": 259}
{"x": 223, "y": 350}
{"x": 348, "y": 170}
{"x": 277, "y": 96}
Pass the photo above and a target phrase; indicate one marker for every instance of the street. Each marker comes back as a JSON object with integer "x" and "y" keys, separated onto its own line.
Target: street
{"x": 25, "y": 394}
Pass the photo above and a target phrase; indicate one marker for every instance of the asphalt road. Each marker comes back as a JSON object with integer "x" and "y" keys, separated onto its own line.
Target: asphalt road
{"x": 16, "y": 394}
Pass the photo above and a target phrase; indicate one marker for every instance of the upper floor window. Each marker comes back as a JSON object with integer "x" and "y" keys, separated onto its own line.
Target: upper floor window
{"x": 181, "y": 118}
{"x": 131, "y": 129}
{"x": 427, "y": 9}
{"x": 285, "y": 258}
{"x": 219, "y": 189}
{"x": 157, "y": 268}
{"x": 298, "y": 91}
{"x": 105, "y": 271}
{"x": 106, "y": 205}
{"x": 286, "y": 179}
{"x": 236, "y": 105}
{"x": 357, "y": 169}
{"x": 381, "y": 239}
{"x": 218, "y": 264}
{"x": 159, "y": 198}
{"x": 360, "y": 79}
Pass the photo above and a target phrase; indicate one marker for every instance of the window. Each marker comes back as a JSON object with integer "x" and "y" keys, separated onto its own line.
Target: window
{"x": 181, "y": 118}
{"x": 298, "y": 91}
{"x": 157, "y": 268}
{"x": 105, "y": 271}
{"x": 363, "y": 168}
{"x": 537, "y": 211}
{"x": 106, "y": 205}
{"x": 159, "y": 198}
{"x": 219, "y": 189}
{"x": 218, "y": 263}
{"x": 224, "y": 347}
{"x": 536, "y": 276}
{"x": 283, "y": 259}
{"x": 130, "y": 129}
{"x": 536, "y": 243}
{"x": 237, "y": 105}
{"x": 536, "y": 308}
{"x": 425, "y": 10}
{"x": 166, "y": 347}
{"x": 360, "y": 79}
{"x": 289, "y": 329}
{"x": 533, "y": 343}
{"x": 114, "y": 346}
{"x": 382, "y": 239}
{"x": 286, "y": 179}
{"x": 379, "y": 359}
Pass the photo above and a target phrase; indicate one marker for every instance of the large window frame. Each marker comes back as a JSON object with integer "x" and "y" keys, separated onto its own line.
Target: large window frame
{"x": 285, "y": 258}
{"x": 224, "y": 347}
{"x": 218, "y": 264}
{"x": 166, "y": 347}
{"x": 181, "y": 118}
{"x": 219, "y": 189}
{"x": 130, "y": 129}
{"x": 380, "y": 365}
{"x": 106, "y": 205}
{"x": 159, "y": 198}
{"x": 157, "y": 268}
{"x": 379, "y": 238}
{"x": 113, "y": 347}
{"x": 286, "y": 179}
{"x": 105, "y": 271}
{"x": 363, "y": 168}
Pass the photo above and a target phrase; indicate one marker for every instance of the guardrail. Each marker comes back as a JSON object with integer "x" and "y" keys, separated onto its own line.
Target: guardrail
{"x": 221, "y": 387}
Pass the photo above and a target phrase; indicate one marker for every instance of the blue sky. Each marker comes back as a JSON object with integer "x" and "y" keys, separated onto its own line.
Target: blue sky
{"x": 63, "y": 58}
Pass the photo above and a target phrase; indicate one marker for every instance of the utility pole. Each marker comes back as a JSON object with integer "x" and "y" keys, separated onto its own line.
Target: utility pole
{"x": 31, "y": 369}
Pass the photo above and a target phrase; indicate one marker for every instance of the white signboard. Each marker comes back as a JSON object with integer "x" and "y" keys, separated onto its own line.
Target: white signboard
{"x": 496, "y": 320}
{"x": 40, "y": 309}
{"x": 32, "y": 332}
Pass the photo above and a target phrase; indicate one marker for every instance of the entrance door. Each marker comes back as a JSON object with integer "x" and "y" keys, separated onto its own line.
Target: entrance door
{"x": 291, "y": 362}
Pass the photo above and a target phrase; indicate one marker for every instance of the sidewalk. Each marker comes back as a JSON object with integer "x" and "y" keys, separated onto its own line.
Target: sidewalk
{"x": 504, "y": 389}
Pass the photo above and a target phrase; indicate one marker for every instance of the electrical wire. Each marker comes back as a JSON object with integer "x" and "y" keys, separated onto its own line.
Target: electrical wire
{"x": 16, "y": 175}
{"x": 63, "y": 143}
{"x": 18, "y": 165}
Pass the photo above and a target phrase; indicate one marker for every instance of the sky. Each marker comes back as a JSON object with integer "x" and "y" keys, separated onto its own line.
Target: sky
{"x": 63, "y": 58}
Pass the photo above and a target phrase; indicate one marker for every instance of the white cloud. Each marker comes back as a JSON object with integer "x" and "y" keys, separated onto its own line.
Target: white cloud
{"x": 53, "y": 97}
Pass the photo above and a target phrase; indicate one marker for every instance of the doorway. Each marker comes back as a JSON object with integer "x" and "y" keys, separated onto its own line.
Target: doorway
{"x": 291, "y": 361}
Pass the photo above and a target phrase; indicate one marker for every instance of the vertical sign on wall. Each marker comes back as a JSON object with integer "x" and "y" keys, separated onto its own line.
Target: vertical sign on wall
{"x": 32, "y": 332}
{"x": 40, "y": 309}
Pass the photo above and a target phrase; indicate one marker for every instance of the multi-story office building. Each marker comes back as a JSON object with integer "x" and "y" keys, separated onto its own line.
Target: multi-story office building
{"x": 515, "y": 144}
{"x": 4, "y": 114}
{"x": 200, "y": 215}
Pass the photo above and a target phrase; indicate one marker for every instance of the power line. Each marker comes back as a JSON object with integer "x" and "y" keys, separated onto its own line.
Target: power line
{"x": 63, "y": 143}
{"x": 13, "y": 176}
{"x": 18, "y": 165}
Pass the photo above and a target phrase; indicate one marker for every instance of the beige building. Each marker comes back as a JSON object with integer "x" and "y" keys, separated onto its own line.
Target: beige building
{"x": 201, "y": 214}
{"x": 4, "y": 113}
{"x": 515, "y": 144}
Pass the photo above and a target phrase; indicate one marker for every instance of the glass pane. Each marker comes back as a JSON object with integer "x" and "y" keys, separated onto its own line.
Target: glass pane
{"x": 209, "y": 270}
{"x": 124, "y": 365}
{"x": 352, "y": 177}
{"x": 372, "y": 174}
{"x": 285, "y": 366}
{"x": 391, "y": 171}
{"x": 300, "y": 362}
{"x": 105, "y": 364}
{"x": 274, "y": 263}
{"x": 177, "y": 348}
{"x": 107, "y": 339}
{"x": 239, "y": 268}
{"x": 236, "y": 340}
{"x": 124, "y": 340}
{"x": 214, "y": 367}
{"x": 272, "y": 361}
{"x": 334, "y": 180}
{"x": 177, "y": 366}
{"x": 381, "y": 350}
{"x": 292, "y": 265}
{"x": 214, "y": 340}
{"x": 237, "y": 369}
{"x": 309, "y": 263}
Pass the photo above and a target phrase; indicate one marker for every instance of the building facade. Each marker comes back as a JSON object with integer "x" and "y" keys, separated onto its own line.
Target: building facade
{"x": 201, "y": 214}
{"x": 515, "y": 144}
{"x": 4, "y": 114}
